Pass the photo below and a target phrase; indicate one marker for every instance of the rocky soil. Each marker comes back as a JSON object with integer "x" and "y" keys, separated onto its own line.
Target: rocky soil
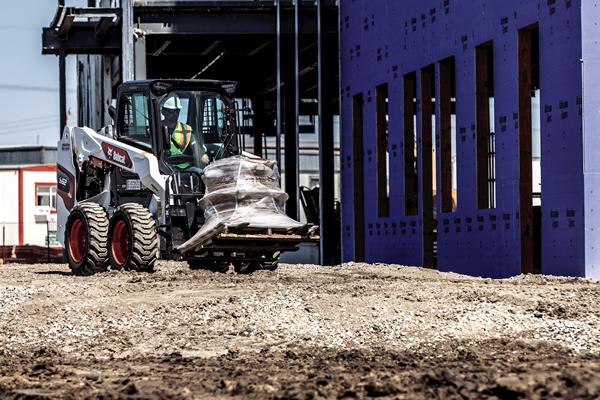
{"x": 354, "y": 331}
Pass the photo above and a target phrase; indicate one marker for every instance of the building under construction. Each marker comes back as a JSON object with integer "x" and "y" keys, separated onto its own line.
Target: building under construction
{"x": 467, "y": 126}
{"x": 469, "y": 135}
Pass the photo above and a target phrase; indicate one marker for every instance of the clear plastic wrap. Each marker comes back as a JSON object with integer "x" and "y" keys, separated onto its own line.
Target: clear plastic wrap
{"x": 241, "y": 192}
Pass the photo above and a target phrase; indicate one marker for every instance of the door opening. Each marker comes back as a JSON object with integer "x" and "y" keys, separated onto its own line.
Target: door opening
{"x": 358, "y": 173}
{"x": 530, "y": 161}
{"x": 428, "y": 166}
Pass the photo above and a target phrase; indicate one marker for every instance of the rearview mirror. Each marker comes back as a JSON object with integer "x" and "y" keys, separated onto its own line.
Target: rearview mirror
{"x": 112, "y": 111}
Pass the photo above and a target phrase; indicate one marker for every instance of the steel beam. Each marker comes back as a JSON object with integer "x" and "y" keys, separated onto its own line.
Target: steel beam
{"x": 65, "y": 26}
{"x": 82, "y": 40}
{"x": 230, "y": 22}
{"x": 103, "y": 26}
{"x": 220, "y": 4}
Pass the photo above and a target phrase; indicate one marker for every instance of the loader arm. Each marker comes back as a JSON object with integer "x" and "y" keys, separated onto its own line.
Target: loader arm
{"x": 80, "y": 145}
{"x": 87, "y": 144}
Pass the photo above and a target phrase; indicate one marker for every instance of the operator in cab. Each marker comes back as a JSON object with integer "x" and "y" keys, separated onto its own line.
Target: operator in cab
{"x": 182, "y": 140}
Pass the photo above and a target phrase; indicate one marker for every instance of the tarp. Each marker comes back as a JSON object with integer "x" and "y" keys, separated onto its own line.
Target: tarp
{"x": 241, "y": 191}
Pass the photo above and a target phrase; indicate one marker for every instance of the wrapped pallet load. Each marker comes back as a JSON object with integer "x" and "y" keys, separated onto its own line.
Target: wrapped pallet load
{"x": 244, "y": 193}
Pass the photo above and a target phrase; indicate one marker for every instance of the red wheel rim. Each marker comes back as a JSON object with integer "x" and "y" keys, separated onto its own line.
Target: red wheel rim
{"x": 77, "y": 240}
{"x": 120, "y": 242}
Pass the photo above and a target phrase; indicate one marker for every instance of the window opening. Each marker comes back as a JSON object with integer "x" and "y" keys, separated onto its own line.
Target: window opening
{"x": 486, "y": 139}
{"x": 427, "y": 157}
{"x": 358, "y": 164}
{"x": 411, "y": 187}
{"x": 447, "y": 82}
{"x": 383, "y": 181}
{"x": 530, "y": 160}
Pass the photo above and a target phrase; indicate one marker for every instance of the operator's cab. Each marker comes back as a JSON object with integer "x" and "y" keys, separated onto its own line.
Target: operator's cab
{"x": 186, "y": 124}
{"x": 205, "y": 108}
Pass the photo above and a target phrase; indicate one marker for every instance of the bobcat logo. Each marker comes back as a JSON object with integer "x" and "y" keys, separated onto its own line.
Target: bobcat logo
{"x": 116, "y": 155}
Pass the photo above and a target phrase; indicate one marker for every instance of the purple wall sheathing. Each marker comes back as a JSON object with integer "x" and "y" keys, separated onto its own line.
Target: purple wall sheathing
{"x": 590, "y": 11}
{"x": 382, "y": 40}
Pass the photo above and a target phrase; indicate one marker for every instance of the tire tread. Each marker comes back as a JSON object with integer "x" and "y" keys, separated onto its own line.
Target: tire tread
{"x": 96, "y": 221}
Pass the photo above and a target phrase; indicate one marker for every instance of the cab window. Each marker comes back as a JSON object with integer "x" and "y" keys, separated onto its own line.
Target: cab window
{"x": 134, "y": 121}
{"x": 213, "y": 114}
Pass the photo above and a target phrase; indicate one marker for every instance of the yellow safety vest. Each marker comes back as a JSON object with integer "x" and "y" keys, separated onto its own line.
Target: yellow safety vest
{"x": 180, "y": 140}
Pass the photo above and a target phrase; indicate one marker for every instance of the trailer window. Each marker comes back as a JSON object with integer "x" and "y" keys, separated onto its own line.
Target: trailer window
{"x": 46, "y": 196}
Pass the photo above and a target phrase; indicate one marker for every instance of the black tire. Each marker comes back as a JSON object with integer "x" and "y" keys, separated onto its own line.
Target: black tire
{"x": 133, "y": 239}
{"x": 270, "y": 266}
{"x": 214, "y": 266}
{"x": 246, "y": 267}
{"x": 86, "y": 237}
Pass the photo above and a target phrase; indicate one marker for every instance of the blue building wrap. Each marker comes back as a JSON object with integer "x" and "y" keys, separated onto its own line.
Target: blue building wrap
{"x": 384, "y": 40}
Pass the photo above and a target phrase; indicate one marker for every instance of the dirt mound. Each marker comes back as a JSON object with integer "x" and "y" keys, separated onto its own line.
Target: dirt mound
{"x": 355, "y": 331}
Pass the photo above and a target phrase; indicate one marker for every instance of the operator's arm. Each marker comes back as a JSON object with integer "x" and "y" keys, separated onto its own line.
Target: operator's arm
{"x": 197, "y": 149}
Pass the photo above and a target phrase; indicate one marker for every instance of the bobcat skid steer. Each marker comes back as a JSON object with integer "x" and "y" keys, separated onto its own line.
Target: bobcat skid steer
{"x": 133, "y": 192}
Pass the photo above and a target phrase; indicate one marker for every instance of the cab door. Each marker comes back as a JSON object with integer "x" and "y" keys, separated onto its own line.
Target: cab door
{"x": 133, "y": 127}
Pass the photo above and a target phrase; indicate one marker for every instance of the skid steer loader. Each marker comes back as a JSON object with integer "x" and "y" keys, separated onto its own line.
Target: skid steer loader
{"x": 132, "y": 192}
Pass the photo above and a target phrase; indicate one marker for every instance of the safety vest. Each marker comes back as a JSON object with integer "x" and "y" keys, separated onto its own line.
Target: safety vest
{"x": 180, "y": 140}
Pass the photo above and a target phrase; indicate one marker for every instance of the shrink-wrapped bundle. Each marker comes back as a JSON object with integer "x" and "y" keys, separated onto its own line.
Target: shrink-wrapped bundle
{"x": 241, "y": 192}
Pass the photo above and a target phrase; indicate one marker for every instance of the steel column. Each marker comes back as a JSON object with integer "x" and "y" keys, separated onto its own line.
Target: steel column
{"x": 260, "y": 123}
{"x": 140, "y": 58}
{"x": 327, "y": 218}
{"x": 296, "y": 140}
{"x": 278, "y": 66}
{"x": 127, "y": 47}
{"x": 290, "y": 109}
{"x": 62, "y": 90}
{"x": 62, "y": 77}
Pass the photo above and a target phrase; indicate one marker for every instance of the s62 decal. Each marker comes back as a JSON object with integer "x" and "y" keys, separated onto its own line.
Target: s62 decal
{"x": 66, "y": 186}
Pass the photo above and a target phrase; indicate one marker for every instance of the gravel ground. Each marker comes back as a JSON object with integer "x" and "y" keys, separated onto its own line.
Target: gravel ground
{"x": 300, "y": 332}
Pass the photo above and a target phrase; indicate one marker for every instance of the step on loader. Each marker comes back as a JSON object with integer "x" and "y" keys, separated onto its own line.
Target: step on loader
{"x": 168, "y": 181}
